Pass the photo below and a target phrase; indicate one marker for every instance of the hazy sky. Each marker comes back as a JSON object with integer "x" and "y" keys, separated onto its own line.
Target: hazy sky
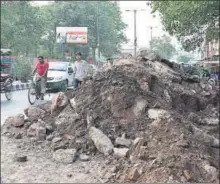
{"x": 144, "y": 20}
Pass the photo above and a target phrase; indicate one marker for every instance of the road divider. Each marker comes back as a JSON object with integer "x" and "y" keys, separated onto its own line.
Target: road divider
{"x": 20, "y": 86}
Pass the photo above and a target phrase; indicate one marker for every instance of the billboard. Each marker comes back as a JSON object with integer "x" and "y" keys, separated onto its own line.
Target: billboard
{"x": 72, "y": 35}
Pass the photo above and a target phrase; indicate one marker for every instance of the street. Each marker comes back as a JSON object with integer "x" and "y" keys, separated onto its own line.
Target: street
{"x": 17, "y": 104}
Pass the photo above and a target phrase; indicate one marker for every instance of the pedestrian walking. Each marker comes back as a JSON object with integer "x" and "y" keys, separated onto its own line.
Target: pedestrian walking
{"x": 80, "y": 70}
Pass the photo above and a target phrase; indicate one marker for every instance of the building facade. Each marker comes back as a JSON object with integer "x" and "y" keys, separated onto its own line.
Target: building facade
{"x": 211, "y": 50}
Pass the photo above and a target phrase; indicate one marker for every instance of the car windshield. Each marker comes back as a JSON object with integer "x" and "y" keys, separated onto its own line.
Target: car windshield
{"x": 57, "y": 66}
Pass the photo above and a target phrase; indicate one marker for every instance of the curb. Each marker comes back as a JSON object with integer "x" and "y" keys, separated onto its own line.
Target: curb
{"x": 23, "y": 86}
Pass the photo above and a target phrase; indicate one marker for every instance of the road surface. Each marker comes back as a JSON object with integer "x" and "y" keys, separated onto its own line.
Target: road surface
{"x": 17, "y": 104}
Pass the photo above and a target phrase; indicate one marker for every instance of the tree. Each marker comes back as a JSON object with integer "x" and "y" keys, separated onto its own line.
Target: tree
{"x": 20, "y": 26}
{"x": 23, "y": 68}
{"x": 86, "y": 14}
{"x": 31, "y": 30}
{"x": 193, "y": 22}
{"x": 184, "y": 58}
{"x": 162, "y": 47}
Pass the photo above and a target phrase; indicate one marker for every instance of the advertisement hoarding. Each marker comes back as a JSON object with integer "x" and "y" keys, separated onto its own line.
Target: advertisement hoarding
{"x": 72, "y": 35}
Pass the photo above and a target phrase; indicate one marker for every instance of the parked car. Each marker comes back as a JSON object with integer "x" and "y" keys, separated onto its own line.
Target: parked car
{"x": 60, "y": 75}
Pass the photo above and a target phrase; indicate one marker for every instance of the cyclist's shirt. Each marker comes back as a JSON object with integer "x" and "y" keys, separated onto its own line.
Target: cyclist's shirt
{"x": 41, "y": 68}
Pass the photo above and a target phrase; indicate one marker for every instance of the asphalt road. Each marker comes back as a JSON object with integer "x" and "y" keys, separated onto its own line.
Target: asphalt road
{"x": 17, "y": 104}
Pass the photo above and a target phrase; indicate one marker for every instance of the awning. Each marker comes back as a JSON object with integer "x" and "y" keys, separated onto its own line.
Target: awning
{"x": 6, "y": 52}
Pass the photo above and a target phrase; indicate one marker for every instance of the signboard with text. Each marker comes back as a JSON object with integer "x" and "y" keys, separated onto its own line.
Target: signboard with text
{"x": 72, "y": 35}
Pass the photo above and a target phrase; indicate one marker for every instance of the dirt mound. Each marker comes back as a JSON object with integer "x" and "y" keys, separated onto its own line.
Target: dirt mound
{"x": 144, "y": 114}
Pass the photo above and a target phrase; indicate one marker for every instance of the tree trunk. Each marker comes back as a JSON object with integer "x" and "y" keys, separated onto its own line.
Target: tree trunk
{"x": 93, "y": 54}
{"x": 27, "y": 52}
{"x": 36, "y": 51}
{"x": 52, "y": 51}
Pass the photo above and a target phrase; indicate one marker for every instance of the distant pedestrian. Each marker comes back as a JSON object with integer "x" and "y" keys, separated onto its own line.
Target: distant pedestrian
{"x": 80, "y": 70}
{"x": 110, "y": 62}
{"x": 89, "y": 60}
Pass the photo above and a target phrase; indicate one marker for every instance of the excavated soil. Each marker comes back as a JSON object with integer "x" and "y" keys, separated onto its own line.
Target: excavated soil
{"x": 117, "y": 102}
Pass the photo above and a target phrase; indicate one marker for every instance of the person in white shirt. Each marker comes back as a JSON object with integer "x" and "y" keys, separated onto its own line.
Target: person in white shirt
{"x": 80, "y": 70}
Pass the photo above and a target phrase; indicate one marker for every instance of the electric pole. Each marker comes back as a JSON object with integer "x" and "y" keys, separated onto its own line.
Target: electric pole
{"x": 135, "y": 33}
{"x": 150, "y": 4}
{"x": 151, "y": 31}
{"x": 98, "y": 46}
{"x": 135, "y": 30}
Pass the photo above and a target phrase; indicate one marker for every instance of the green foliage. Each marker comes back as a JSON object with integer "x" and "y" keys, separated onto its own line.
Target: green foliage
{"x": 31, "y": 30}
{"x": 191, "y": 21}
{"x": 184, "y": 58}
{"x": 162, "y": 47}
{"x": 20, "y": 26}
{"x": 23, "y": 68}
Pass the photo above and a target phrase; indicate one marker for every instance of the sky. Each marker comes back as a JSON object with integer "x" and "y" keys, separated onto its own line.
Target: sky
{"x": 144, "y": 21}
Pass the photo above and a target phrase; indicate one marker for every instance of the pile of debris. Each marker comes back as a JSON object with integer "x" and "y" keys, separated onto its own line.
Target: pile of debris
{"x": 154, "y": 124}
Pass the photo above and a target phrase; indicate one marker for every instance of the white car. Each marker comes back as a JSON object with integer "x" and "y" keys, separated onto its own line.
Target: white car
{"x": 60, "y": 75}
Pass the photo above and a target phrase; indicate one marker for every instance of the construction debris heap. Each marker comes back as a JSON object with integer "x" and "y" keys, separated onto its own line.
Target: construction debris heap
{"x": 156, "y": 124}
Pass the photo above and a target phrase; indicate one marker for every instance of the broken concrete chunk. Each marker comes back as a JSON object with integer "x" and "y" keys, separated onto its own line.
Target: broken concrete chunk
{"x": 20, "y": 157}
{"x": 183, "y": 144}
{"x": 215, "y": 143}
{"x": 49, "y": 128}
{"x": 156, "y": 123}
{"x": 31, "y": 132}
{"x": 56, "y": 139}
{"x": 167, "y": 96}
{"x": 212, "y": 171}
{"x": 205, "y": 137}
{"x": 18, "y": 136}
{"x": 41, "y": 133}
{"x": 143, "y": 153}
{"x": 158, "y": 114}
{"x": 65, "y": 156}
{"x": 211, "y": 121}
{"x": 139, "y": 107}
{"x": 136, "y": 141}
{"x": 35, "y": 113}
{"x": 133, "y": 175}
{"x": 49, "y": 137}
{"x": 120, "y": 152}
{"x": 84, "y": 157}
{"x": 101, "y": 141}
{"x": 16, "y": 121}
{"x": 59, "y": 101}
{"x": 35, "y": 130}
{"x": 73, "y": 103}
{"x": 123, "y": 142}
{"x": 89, "y": 119}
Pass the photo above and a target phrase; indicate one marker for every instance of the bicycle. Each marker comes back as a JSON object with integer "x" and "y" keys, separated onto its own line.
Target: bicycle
{"x": 34, "y": 91}
{"x": 6, "y": 87}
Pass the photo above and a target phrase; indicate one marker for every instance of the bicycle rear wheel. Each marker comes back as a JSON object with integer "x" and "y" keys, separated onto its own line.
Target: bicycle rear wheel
{"x": 8, "y": 89}
{"x": 32, "y": 95}
{"x": 8, "y": 94}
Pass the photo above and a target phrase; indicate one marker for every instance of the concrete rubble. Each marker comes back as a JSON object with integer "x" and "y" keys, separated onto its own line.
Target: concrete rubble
{"x": 153, "y": 122}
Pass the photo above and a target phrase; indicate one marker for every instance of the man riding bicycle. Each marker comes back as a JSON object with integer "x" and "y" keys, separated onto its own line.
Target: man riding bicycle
{"x": 41, "y": 75}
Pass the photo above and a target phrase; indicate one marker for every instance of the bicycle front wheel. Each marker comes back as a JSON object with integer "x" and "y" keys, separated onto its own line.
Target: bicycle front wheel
{"x": 32, "y": 95}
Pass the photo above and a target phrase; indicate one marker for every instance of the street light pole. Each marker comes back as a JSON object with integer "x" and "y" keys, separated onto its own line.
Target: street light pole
{"x": 98, "y": 46}
{"x": 151, "y": 31}
{"x": 135, "y": 30}
{"x": 135, "y": 33}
